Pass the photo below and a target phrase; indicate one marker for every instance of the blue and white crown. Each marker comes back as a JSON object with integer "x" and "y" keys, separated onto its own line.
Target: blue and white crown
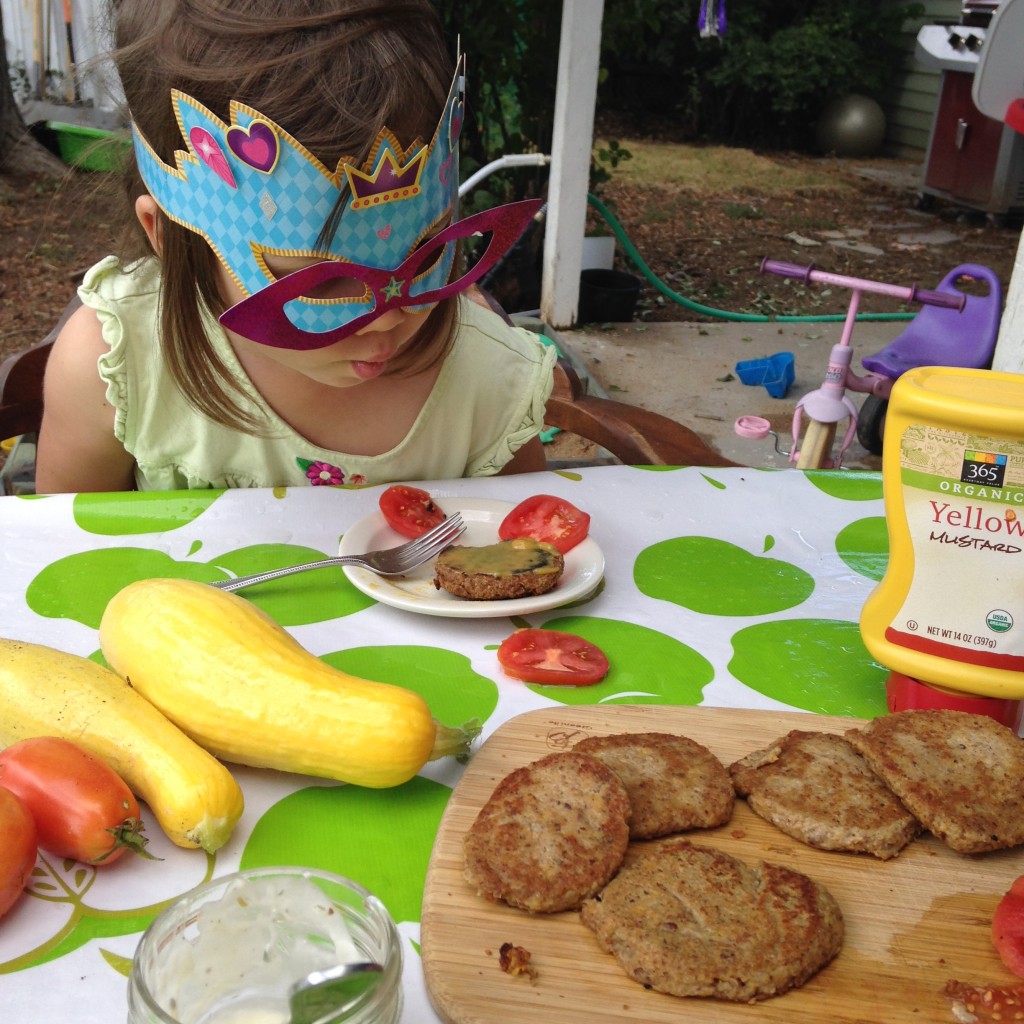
{"x": 250, "y": 188}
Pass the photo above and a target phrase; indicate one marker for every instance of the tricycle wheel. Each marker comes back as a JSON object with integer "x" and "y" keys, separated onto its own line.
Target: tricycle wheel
{"x": 871, "y": 423}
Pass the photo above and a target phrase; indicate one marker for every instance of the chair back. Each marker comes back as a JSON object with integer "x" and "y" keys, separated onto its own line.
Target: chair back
{"x": 634, "y": 436}
{"x": 21, "y": 382}
{"x": 21, "y": 391}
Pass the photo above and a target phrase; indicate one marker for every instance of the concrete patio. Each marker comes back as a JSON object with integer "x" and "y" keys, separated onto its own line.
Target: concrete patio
{"x": 686, "y": 371}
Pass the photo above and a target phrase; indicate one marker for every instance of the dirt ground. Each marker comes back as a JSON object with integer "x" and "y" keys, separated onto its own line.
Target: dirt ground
{"x": 708, "y": 248}
{"x": 50, "y": 233}
{"x": 715, "y": 261}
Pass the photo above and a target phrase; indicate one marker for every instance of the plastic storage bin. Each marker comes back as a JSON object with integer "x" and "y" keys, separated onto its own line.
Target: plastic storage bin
{"x": 89, "y": 149}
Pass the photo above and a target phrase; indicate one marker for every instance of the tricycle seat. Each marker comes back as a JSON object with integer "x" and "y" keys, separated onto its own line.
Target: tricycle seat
{"x": 945, "y": 337}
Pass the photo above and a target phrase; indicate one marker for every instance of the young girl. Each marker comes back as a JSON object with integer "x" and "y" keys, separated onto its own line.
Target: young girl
{"x": 292, "y": 310}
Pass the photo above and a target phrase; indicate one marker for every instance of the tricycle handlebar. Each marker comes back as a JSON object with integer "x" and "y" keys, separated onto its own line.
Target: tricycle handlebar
{"x": 912, "y": 294}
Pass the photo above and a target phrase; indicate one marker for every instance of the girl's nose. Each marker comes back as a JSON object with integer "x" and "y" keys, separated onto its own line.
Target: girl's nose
{"x": 385, "y": 322}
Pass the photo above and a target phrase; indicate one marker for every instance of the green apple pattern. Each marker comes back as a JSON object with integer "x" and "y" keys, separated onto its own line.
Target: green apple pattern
{"x": 381, "y": 838}
{"x": 446, "y": 680}
{"x": 864, "y": 546}
{"x": 715, "y": 577}
{"x": 80, "y": 585}
{"x": 647, "y": 667}
{"x": 148, "y": 512}
{"x": 848, "y": 486}
{"x": 818, "y": 665}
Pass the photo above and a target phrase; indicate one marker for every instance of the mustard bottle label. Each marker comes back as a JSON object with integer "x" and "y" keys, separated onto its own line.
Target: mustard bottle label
{"x": 964, "y": 503}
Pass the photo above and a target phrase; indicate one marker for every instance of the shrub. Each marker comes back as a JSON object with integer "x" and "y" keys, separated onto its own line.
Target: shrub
{"x": 763, "y": 83}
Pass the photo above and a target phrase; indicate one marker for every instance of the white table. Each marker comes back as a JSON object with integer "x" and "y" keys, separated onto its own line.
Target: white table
{"x": 724, "y": 587}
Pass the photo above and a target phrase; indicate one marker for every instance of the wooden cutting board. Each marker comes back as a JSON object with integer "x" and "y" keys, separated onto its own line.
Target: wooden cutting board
{"x": 912, "y": 922}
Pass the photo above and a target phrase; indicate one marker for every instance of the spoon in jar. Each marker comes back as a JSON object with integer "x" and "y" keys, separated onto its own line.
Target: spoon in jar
{"x": 330, "y": 994}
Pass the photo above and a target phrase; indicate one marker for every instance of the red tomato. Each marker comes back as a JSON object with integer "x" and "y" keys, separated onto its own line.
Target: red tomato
{"x": 545, "y": 656}
{"x": 1008, "y": 927}
{"x": 81, "y": 807}
{"x": 410, "y": 511}
{"x": 17, "y": 850}
{"x": 548, "y": 518}
{"x": 985, "y": 1003}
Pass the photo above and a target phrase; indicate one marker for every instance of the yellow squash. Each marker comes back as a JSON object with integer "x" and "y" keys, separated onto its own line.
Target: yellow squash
{"x": 46, "y": 692}
{"x": 241, "y": 686}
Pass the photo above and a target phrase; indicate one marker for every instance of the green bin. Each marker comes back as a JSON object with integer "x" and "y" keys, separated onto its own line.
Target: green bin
{"x": 89, "y": 149}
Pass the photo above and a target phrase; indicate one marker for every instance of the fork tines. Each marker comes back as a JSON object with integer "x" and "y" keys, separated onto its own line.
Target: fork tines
{"x": 443, "y": 533}
{"x": 451, "y": 527}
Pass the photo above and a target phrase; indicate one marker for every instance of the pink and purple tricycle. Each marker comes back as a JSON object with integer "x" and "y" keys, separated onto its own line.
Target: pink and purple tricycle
{"x": 952, "y": 329}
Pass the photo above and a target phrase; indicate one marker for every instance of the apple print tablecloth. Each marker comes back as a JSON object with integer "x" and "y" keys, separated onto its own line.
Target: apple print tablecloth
{"x": 725, "y": 587}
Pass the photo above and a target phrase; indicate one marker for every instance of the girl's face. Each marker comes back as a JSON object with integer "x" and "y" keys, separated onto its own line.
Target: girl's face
{"x": 353, "y": 360}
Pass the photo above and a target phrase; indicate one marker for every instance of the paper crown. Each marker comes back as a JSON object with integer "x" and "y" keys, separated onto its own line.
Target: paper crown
{"x": 250, "y": 188}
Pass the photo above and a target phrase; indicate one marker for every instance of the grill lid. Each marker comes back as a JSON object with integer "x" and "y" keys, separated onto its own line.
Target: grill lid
{"x": 978, "y": 12}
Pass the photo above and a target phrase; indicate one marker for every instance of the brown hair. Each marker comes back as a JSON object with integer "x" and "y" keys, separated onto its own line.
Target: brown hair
{"x": 331, "y": 72}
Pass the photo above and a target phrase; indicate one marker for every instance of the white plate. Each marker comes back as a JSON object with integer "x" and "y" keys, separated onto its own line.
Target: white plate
{"x": 415, "y": 592}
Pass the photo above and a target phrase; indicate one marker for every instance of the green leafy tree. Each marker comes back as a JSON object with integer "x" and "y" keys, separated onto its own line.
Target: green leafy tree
{"x": 783, "y": 60}
{"x": 764, "y": 83}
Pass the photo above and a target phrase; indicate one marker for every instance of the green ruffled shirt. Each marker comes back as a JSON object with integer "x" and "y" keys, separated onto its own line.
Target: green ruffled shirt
{"x": 488, "y": 401}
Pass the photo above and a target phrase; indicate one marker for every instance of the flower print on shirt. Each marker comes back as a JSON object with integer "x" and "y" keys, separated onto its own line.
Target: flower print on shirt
{"x": 321, "y": 474}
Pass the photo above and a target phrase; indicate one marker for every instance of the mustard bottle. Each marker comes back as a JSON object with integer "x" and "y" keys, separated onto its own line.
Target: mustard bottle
{"x": 949, "y": 612}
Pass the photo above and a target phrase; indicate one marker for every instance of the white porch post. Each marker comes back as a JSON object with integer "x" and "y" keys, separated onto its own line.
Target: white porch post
{"x": 575, "y": 98}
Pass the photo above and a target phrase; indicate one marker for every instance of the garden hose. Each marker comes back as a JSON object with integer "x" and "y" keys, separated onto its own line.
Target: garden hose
{"x": 721, "y": 314}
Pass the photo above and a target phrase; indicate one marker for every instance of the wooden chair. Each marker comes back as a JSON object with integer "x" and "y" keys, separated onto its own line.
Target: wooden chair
{"x": 21, "y": 406}
{"x": 631, "y": 435}
{"x": 21, "y": 383}
{"x": 634, "y": 436}
{"x": 21, "y": 391}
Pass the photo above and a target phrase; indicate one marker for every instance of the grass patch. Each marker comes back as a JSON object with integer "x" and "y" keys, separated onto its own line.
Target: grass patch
{"x": 742, "y": 211}
{"x": 655, "y": 213}
{"x": 720, "y": 169}
{"x": 814, "y": 223}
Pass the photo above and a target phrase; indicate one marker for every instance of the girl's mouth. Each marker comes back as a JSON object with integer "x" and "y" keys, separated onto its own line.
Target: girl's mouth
{"x": 366, "y": 370}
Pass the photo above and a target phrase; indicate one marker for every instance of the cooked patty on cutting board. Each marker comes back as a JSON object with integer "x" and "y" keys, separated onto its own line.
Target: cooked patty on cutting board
{"x": 689, "y": 920}
{"x": 960, "y": 775}
{"x": 674, "y": 783}
{"x": 815, "y": 787}
{"x": 523, "y": 567}
{"x": 551, "y": 834}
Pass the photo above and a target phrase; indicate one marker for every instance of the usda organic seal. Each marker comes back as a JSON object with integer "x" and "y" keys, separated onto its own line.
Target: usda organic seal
{"x": 999, "y": 621}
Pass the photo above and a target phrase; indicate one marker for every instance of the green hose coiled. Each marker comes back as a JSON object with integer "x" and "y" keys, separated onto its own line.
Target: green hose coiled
{"x": 721, "y": 314}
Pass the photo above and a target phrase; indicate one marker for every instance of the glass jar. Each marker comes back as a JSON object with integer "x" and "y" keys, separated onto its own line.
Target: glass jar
{"x": 228, "y": 951}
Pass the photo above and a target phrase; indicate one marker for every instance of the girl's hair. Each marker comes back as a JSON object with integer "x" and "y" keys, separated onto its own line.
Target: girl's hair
{"x": 330, "y": 72}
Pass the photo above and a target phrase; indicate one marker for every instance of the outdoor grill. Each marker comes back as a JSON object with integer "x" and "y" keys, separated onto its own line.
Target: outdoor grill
{"x": 972, "y": 160}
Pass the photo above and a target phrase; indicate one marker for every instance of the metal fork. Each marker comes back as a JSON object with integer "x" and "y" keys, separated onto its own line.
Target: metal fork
{"x": 387, "y": 562}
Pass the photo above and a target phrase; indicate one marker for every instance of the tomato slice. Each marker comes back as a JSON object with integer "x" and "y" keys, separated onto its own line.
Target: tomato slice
{"x": 1008, "y": 928}
{"x": 409, "y": 510}
{"x": 17, "y": 850}
{"x": 985, "y": 1002}
{"x": 548, "y": 518}
{"x": 547, "y": 656}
